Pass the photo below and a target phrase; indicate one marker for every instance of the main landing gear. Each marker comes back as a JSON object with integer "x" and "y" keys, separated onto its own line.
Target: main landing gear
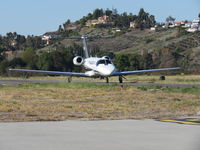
{"x": 120, "y": 79}
{"x": 69, "y": 79}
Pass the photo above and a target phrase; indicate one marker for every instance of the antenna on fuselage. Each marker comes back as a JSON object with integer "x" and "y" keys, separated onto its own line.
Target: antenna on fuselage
{"x": 85, "y": 49}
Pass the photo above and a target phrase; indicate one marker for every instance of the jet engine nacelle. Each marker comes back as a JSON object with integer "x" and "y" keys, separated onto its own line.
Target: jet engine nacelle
{"x": 78, "y": 60}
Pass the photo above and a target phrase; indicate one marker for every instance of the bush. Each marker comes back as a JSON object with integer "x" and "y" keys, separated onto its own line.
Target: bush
{"x": 149, "y": 41}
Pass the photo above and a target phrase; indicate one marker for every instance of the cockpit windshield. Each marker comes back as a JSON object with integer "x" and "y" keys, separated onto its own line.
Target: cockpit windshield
{"x": 104, "y": 62}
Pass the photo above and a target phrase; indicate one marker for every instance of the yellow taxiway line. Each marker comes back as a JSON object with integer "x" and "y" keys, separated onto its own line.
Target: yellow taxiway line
{"x": 190, "y": 122}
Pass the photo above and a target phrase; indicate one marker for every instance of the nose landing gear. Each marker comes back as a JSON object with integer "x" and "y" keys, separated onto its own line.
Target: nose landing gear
{"x": 107, "y": 80}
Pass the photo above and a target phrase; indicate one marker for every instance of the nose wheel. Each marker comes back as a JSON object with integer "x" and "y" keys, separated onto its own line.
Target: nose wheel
{"x": 107, "y": 80}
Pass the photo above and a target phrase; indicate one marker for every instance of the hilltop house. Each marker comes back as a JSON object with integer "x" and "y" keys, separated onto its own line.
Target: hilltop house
{"x": 188, "y": 24}
{"x": 7, "y": 52}
{"x": 195, "y": 26}
{"x": 13, "y": 43}
{"x": 48, "y": 37}
{"x": 179, "y": 23}
{"x": 100, "y": 20}
{"x": 132, "y": 24}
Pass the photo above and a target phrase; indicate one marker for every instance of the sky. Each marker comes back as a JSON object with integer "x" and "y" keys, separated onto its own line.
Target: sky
{"x": 35, "y": 17}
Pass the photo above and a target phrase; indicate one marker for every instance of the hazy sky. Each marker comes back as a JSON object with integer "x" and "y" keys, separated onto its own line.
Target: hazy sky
{"x": 39, "y": 16}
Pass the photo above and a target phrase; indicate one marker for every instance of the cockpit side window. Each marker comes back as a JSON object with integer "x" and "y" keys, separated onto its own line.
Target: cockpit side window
{"x": 100, "y": 62}
{"x": 104, "y": 62}
{"x": 108, "y": 61}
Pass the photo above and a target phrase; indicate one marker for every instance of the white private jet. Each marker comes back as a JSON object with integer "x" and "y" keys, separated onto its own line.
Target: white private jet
{"x": 101, "y": 67}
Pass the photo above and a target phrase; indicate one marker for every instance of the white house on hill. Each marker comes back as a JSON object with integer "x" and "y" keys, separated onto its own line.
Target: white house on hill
{"x": 195, "y": 26}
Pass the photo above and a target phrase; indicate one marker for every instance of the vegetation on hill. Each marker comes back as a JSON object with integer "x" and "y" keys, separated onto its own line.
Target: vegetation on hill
{"x": 142, "y": 20}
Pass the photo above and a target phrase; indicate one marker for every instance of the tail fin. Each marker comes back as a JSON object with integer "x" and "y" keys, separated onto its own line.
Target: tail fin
{"x": 85, "y": 49}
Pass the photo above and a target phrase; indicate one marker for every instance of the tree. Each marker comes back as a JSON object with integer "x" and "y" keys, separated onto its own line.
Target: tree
{"x": 147, "y": 60}
{"x": 170, "y": 19}
{"x": 66, "y": 24}
{"x": 94, "y": 50}
{"x": 30, "y": 58}
{"x": 144, "y": 20}
{"x": 58, "y": 61}
{"x": 33, "y": 42}
{"x": 122, "y": 62}
{"x": 98, "y": 13}
{"x": 11, "y": 36}
{"x": 62, "y": 60}
{"x": 2, "y": 57}
{"x": 60, "y": 29}
{"x": 105, "y": 53}
{"x": 108, "y": 12}
{"x": 68, "y": 56}
{"x": 142, "y": 15}
{"x": 68, "y": 33}
{"x": 45, "y": 61}
{"x": 135, "y": 62}
{"x": 90, "y": 16}
{"x": 21, "y": 39}
{"x": 199, "y": 15}
{"x": 152, "y": 21}
{"x": 17, "y": 61}
{"x": 75, "y": 49}
{"x": 114, "y": 11}
{"x": 3, "y": 67}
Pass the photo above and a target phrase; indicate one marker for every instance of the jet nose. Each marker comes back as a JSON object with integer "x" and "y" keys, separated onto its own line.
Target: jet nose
{"x": 109, "y": 70}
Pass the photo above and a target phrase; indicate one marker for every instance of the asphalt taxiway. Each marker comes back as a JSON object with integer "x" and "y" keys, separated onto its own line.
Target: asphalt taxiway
{"x": 98, "y": 135}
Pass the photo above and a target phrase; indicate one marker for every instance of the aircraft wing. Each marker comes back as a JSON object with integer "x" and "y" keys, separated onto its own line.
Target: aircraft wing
{"x": 53, "y": 72}
{"x": 143, "y": 71}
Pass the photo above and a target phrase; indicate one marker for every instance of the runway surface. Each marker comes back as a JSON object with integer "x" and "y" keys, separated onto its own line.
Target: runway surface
{"x": 99, "y": 135}
{"x": 20, "y": 81}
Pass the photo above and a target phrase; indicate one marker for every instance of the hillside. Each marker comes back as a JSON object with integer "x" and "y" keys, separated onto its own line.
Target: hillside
{"x": 137, "y": 40}
{"x": 174, "y": 48}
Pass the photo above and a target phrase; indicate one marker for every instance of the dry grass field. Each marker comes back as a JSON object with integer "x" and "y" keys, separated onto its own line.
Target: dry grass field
{"x": 62, "y": 101}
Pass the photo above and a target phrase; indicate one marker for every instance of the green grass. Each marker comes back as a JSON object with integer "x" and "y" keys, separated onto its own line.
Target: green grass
{"x": 68, "y": 106}
{"x": 64, "y": 85}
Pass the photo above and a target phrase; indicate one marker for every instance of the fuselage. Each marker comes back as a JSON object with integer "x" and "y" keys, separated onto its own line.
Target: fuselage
{"x": 99, "y": 66}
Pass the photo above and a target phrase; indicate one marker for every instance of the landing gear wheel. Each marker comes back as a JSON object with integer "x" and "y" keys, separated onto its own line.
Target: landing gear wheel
{"x": 120, "y": 79}
{"x": 107, "y": 80}
{"x": 69, "y": 79}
